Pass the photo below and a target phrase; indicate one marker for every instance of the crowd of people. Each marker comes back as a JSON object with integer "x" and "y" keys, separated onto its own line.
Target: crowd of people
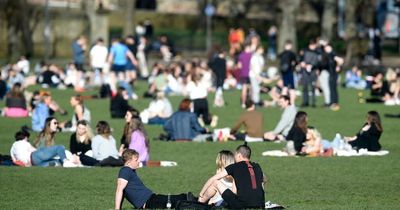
{"x": 115, "y": 71}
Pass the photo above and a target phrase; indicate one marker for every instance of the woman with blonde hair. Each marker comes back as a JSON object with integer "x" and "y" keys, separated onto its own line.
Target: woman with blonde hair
{"x": 312, "y": 146}
{"x": 80, "y": 144}
{"x": 224, "y": 159}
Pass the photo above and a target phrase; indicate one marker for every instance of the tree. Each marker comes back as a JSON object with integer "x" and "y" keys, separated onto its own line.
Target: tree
{"x": 22, "y": 19}
{"x": 351, "y": 31}
{"x": 328, "y": 19}
{"x": 98, "y": 20}
{"x": 129, "y": 12}
{"x": 287, "y": 26}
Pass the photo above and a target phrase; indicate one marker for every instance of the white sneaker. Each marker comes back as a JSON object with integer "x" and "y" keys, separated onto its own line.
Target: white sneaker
{"x": 214, "y": 121}
{"x": 68, "y": 164}
{"x": 168, "y": 163}
{"x": 134, "y": 96}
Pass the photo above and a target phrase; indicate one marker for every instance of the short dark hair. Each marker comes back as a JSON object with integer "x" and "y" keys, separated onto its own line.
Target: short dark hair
{"x": 286, "y": 98}
{"x": 21, "y": 134}
{"x": 244, "y": 150}
{"x": 249, "y": 103}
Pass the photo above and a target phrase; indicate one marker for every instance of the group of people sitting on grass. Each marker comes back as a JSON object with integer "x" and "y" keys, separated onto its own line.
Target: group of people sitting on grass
{"x": 238, "y": 184}
{"x": 303, "y": 139}
{"x": 86, "y": 148}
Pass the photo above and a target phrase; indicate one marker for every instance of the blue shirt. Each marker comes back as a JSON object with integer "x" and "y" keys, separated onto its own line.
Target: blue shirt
{"x": 39, "y": 116}
{"x": 119, "y": 53}
{"x": 135, "y": 191}
{"x": 79, "y": 53}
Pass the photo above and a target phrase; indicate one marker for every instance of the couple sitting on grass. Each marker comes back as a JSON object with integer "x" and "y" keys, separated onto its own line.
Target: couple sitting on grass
{"x": 238, "y": 184}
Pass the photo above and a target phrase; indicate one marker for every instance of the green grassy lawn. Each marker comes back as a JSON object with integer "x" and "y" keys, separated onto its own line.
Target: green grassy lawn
{"x": 297, "y": 182}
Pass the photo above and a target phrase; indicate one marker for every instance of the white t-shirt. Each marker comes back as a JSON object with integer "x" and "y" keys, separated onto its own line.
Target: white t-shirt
{"x": 98, "y": 56}
{"x": 256, "y": 65}
{"x": 174, "y": 84}
{"x": 163, "y": 106}
{"x": 24, "y": 66}
{"x": 22, "y": 150}
{"x": 196, "y": 91}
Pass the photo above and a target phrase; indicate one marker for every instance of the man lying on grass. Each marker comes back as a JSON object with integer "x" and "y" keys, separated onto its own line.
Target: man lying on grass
{"x": 130, "y": 186}
{"x": 248, "y": 178}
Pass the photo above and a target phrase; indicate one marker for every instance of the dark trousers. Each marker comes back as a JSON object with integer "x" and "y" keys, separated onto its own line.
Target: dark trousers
{"x": 288, "y": 79}
{"x": 111, "y": 161}
{"x": 157, "y": 201}
{"x": 308, "y": 81}
{"x": 333, "y": 88}
{"x": 87, "y": 161}
{"x": 200, "y": 107}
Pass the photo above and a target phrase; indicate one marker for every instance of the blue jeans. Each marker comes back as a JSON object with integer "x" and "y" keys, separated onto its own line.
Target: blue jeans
{"x": 45, "y": 155}
{"x": 157, "y": 121}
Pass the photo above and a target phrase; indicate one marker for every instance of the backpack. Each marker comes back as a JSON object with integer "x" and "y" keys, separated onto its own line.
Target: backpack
{"x": 105, "y": 91}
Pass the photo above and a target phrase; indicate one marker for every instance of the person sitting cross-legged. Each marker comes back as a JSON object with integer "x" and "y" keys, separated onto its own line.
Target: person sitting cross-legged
{"x": 285, "y": 123}
{"x": 248, "y": 178}
{"x": 253, "y": 122}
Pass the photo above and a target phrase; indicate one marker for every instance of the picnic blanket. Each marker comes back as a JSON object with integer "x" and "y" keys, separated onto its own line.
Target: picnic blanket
{"x": 341, "y": 153}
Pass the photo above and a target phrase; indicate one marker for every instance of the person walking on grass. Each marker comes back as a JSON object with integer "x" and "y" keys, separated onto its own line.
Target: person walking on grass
{"x": 249, "y": 180}
{"x": 131, "y": 187}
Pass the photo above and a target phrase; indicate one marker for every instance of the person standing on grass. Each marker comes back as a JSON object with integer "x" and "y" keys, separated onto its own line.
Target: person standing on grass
{"x": 334, "y": 63}
{"x": 118, "y": 58}
{"x": 244, "y": 66}
{"x": 309, "y": 64}
{"x": 79, "y": 47}
{"x": 256, "y": 67}
{"x": 98, "y": 58}
{"x": 217, "y": 63}
{"x": 287, "y": 65}
{"x": 131, "y": 187}
{"x": 249, "y": 180}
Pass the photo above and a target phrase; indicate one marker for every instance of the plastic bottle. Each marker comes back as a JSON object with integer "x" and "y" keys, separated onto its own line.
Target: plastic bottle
{"x": 169, "y": 202}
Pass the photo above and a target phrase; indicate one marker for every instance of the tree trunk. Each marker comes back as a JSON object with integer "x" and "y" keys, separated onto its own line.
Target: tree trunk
{"x": 129, "y": 11}
{"x": 287, "y": 27}
{"x": 26, "y": 32}
{"x": 350, "y": 23}
{"x": 328, "y": 19}
{"x": 98, "y": 22}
